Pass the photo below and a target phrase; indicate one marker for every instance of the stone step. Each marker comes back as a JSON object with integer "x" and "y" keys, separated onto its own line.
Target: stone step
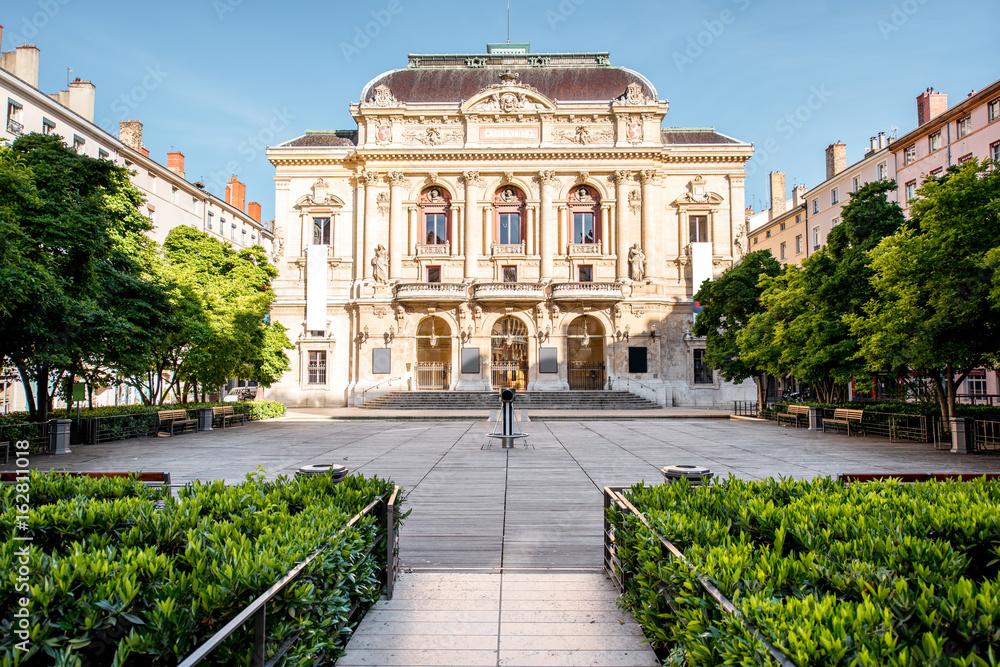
{"x": 474, "y": 400}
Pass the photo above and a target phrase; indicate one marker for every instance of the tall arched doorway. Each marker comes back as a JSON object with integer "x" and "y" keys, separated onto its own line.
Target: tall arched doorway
{"x": 585, "y": 340}
{"x": 433, "y": 369}
{"x": 509, "y": 354}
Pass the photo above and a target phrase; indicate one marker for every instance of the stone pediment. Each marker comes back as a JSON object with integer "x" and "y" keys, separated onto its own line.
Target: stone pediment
{"x": 508, "y": 97}
{"x": 708, "y": 198}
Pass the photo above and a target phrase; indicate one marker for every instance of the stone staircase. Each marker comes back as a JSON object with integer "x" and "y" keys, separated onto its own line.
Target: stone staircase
{"x": 525, "y": 400}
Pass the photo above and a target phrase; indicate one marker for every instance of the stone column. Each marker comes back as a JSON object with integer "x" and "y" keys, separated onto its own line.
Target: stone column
{"x": 605, "y": 229}
{"x": 414, "y": 231}
{"x": 546, "y": 226}
{"x": 622, "y": 179}
{"x": 487, "y": 230}
{"x": 529, "y": 231}
{"x": 650, "y": 238}
{"x": 473, "y": 223}
{"x": 563, "y": 224}
{"x": 371, "y": 231}
{"x": 397, "y": 228}
{"x": 457, "y": 243}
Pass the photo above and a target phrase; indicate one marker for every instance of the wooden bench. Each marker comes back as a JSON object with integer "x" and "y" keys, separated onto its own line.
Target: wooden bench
{"x": 152, "y": 479}
{"x": 844, "y": 417}
{"x": 795, "y": 412}
{"x": 172, "y": 418}
{"x": 226, "y": 414}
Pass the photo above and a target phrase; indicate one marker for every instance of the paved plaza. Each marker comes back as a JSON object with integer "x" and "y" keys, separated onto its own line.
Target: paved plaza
{"x": 502, "y": 551}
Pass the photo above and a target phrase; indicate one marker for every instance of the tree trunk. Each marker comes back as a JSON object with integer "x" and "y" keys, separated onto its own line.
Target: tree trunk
{"x": 28, "y": 393}
{"x": 42, "y": 383}
{"x": 761, "y": 381}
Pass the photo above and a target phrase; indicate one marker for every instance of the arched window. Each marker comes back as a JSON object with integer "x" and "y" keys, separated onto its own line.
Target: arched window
{"x": 584, "y": 212}
{"x": 435, "y": 216}
{"x": 508, "y": 202}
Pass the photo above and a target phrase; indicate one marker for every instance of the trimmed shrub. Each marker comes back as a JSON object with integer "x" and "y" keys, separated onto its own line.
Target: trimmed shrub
{"x": 124, "y": 575}
{"x": 866, "y": 574}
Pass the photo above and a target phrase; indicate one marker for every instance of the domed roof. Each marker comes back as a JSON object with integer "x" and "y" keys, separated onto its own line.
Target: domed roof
{"x": 452, "y": 79}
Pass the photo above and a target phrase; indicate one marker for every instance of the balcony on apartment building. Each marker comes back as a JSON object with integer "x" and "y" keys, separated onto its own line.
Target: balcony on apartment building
{"x": 587, "y": 291}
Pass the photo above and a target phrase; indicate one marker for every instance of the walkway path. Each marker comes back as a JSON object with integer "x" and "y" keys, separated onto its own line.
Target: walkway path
{"x": 504, "y": 546}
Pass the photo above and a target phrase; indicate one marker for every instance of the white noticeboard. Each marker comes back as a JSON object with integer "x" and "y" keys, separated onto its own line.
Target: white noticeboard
{"x": 316, "y": 287}
{"x": 701, "y": 265}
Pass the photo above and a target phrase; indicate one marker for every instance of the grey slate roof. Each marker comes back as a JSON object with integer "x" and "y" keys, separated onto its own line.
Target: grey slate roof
{"x": 320, "y": 139}
{"x": 694, "y": 135}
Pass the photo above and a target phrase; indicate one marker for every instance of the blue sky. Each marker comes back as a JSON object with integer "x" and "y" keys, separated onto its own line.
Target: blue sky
{"x": 218, "y": 79}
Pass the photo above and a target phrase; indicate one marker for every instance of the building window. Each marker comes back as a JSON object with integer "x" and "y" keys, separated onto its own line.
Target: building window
{"x": 782, "y": 227}
{"x": 976, "y": 383}
{"x": 756, "y": 239}
{"x": 509, "y": 274}
{"x": 911, "y": 190}
{"x": 698, "y": 228}
{"x": 815, "y": 238}
{"x": 798, "y": 218}
{"x": 211, "y": 215}
{"x": 964, "y": 127}
{"x": 435, "y": 211}
{"x": 995, "y": 151}
{"x": 317, "y": 367}
{"x": 586, "y": 273}
{"x": 881, "y": 171}
{"x": 782, "y": 251}
{"x": 78, "y": 143}
{"x": 584, "y": 208}
{"x": 173, "y": 194}
{"x": 910, "y": 155}
{"x": 103, "y": 154}
{"x": 14, "y": 122}
{"x": 834, "y": 196}
{"x": 815, "y": 206}
{"x": 798, "y": 244}
{"x": 834, "y": 222}
{"x": 48, "y": 126}
{"x": 993, "y": 109}
{"x": 433, "y": 274}
{"x": 965, "y": 158}
{"x": 702, "y": 373}
{"x": 934, "y": 142}
{"x": 767, "y": 234}
{"x": 321, "y": 231}
{"x": 855, "y": 184}
{"x": 508, "y": 202}
{"x": 232, "y": 233}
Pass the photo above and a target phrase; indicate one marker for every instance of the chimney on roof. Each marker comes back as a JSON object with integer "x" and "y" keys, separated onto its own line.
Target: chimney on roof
{"x": 777, "y": 193}
{"x": 798, "y": 196}
{"x": 130, "y": 134}
{"x": 930, "y": 105}
{"x": 836, "y": 159}
{"x": 748, "y": 213}
{"x": 253, "y": 210}
{"x": 22, "y": 62}
{"x": 80, "y": 98}
{"x": 236, "y": 193}
{"x": 175, "y": 162}
{"x": 144, "y": 151}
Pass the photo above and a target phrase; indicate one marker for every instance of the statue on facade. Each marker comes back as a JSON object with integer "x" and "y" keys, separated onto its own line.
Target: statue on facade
{"x": 380, "y": 264}
{"x": 636, "y": 260}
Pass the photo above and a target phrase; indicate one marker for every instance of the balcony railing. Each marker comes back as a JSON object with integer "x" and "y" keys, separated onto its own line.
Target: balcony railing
{"x": 433, "y": 249}
{"x": 584, "y": 249}
{"x": 508, "y": 249}
{"x": 595, "y": 291}
{"x": 14, "y": 127}
{"x": 509, "y": 291}
{"x": 431, "y": 291}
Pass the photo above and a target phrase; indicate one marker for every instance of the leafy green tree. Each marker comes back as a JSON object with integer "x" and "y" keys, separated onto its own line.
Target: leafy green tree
{"x": 803, "y": 328}
{"x": 933, "y": 311}
{"x": 727, "y": 304}
{"x": 77, "y": 237}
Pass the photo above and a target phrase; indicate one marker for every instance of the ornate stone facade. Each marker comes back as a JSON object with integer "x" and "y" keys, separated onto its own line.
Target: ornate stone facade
{"x": 482, "y": 232}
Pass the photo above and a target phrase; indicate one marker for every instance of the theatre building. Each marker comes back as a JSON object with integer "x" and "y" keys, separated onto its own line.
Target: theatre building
{"x": 504, "y": 219}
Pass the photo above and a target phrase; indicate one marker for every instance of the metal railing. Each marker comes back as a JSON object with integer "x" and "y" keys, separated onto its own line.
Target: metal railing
{"x": 513, "y": 375}
{"x": 383, "y": 509}
{"x": 745, "y": 408}
{"x": 389, "y": 381}
{"x": 985, "y": 435}
{"x": 621, "y": 573}
{"x": 433, "y": 375}
{"x": 36, "y": 433}
{"x": 586, "y": 377}
{"x": 978, "y": 399}
{"x": 118, "y": 427}
{"x": 15, "y": 127}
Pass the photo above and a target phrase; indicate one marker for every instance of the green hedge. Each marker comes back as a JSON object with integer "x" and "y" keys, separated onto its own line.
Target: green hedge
{"x": 253, "y": 409}
{"x": 118, "y": 580}
{"x": 985, "y": 412}
{"x": 866, "y": 574}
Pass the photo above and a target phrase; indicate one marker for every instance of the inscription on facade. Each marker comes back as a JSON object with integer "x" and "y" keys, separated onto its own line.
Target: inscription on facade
{"x": 511, "y": 134}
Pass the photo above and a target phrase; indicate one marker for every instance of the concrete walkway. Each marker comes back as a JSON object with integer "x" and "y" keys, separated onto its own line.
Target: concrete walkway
{"x": 503, "y": 547}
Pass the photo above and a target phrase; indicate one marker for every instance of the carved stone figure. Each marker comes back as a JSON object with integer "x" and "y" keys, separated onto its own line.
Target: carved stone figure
{"x": 380, "y": 264}
{"x": 637, "y": 263}
{"x": 384, "y": 97}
